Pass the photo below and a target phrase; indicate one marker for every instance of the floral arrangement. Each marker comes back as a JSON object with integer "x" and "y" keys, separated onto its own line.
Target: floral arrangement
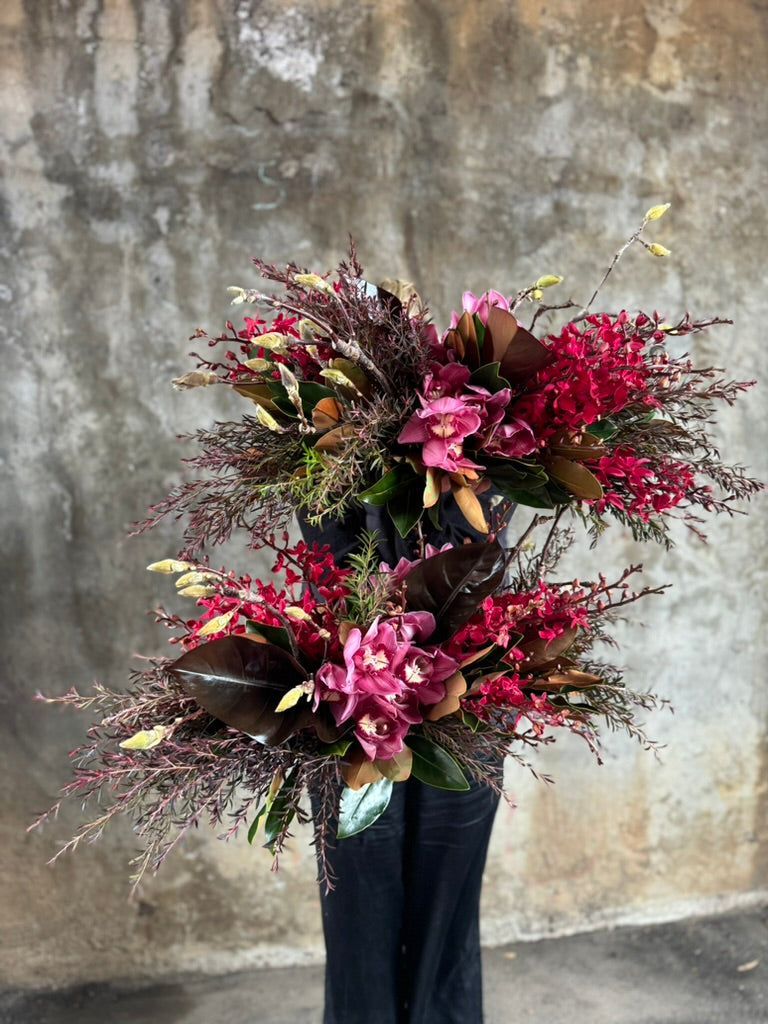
{"x": 345, "y": 677}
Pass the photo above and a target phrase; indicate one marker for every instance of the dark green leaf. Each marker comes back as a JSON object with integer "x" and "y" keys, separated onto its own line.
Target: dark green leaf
{"x": 479, "y": 331}
{"x": 471, "y": 720}
{"x": 361, "y": 807}
{"x": 604, "y": 429}
{"x": 487, "y": 376}
{"x": 337, "y": 749}
{"x": 397, "y": 480}
{"x": 434, "y": 766}
{"x": 406, "y": 507}
{"x": 311, "y": 393}
{"x": 452, "y": 584}
{"x": 277, "y": 635}
{"x": 254, "y": 826}
{"x": 241, "y": 682}
{"x": 521, "y": 496}
{"x": 281, "y": 813}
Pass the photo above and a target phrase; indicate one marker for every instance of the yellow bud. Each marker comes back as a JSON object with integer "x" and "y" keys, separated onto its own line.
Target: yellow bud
{"x": 196, "y": 576}
{"x": 258, "y": 364}
{"x": 313, "y": 281}
{"x": 308, "y": 329}
{"x": 291, "y": 698}
{"x": 548, "y": 281}
{"x": 658, "y": 250}
{"x": 657, "y": 211}
{"x": 145, "y": 739}
{"x": 272, "y": 341}
{"x": 294, "y": 612}
{"x": 195, "y": 379}
{"x": 266, "y": 419}
{"x": 170, "y": 565}
{"x": 216, "y": 624}
{"x": 197, "y": 591}
{"x": 339, "y": 378}
{"x": 238, "y": 295}
{"x": 666, "y": 327}
{"x": 536, "y": 293}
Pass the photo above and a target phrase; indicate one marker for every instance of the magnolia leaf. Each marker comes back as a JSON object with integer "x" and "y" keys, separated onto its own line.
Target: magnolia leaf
{"x": 277, "y": 635}
{"x": 360, "y": 383}
{"x": 520, "y": 355}
{"x": 470, "y": 719}
{"x": 452, "y": 584}
{"x": 573, "y": 679}
{"x": 487, "y": 376}
{"x": 574, "y": 477}
{"x": 470, "y": 507}
{"x": 327, "y": 414}
{"x": 398, "y": 767}
{"x": 434, "y": 766}
{"x": 360, "y": 808}
{"x": 455, "y": 687}
{"x": 146, "y": 739}
{"x": 603, "y": 429}
{"x": 394, "y": 482}
{"x": 539, "y": 651}
{"x": 241, "y": 683}
{"x": 357, "y": 770}
{"x": 405, "y": 509}
{"x": 335, "y": 438}
{"x": 259, "y": 393}
{"x": 279, "y": 813}
{"x": 274, "y": 788}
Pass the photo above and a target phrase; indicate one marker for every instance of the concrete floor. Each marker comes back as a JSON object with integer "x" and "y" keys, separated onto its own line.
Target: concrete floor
{"x": 705, "y": 971}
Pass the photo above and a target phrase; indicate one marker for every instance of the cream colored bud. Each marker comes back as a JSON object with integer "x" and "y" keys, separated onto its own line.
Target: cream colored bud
{"x": 308, "y": 329}
{"x": 658, "y": 250}
{"x": 257, "y": 365}
{"x": 537, "y": 293}
{"x": 238, "y": 295}
{"x": 196, "y": 576}
{"x": 198, "y": 591}
{"x": 195, "y": 379}
{"x": 656, "y": 212}
{"x": 267, "y": 420}
{"x": 313, "y": 281}
{"x": 272, "y": 341}
{"x": 216, "y": 624}
{"x": 547, "y": 281}
{"x": 169, "y": 565}
{"x": 145, "y": 739}
{"x": 294, "y": 612}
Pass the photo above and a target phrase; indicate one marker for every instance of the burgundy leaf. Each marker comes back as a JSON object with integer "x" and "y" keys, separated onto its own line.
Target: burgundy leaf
{"x": 453, "y": 584}
{"x": 241, "y": 683}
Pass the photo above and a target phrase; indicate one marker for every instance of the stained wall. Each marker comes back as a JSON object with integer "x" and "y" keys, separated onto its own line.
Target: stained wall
{"x": 149, "y": 149}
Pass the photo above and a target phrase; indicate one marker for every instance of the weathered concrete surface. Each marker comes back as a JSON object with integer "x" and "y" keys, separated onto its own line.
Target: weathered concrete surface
{"x": 149, "y": 149}
{"x": 710, "y": 971}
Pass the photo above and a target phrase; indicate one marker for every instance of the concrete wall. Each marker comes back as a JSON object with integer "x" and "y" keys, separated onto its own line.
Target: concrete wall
{"x": 149, "y": 149}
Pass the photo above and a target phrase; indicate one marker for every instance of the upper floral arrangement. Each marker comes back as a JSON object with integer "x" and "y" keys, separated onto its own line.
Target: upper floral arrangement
{"x": 358, "y": 397}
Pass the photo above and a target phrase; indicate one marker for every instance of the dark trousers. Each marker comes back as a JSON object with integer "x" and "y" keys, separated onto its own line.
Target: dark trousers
{"x": 402, "y": 924}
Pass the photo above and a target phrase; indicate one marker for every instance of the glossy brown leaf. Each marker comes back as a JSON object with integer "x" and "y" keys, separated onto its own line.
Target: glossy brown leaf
{"x": 519, "y": 354}
{"x": 539, "y": 652}
{"x": 326, "y": 414}
{"x": 452, "y": 584}
{"x": 357, "y": 770}
{"x": 455, "y": 687}
{"x": 573, "y": 477}
{"x": 335, "y": 438}
{"x": 241, "y": 683}
{"x": 258, "y": 393}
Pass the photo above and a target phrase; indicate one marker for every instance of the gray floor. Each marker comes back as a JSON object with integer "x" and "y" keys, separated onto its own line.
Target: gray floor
{"x": 706, "y": 971}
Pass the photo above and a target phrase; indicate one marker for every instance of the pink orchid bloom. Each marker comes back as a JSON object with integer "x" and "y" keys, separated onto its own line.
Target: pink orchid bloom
{"x": 472, "y": 304}
{"x": 511, "y": 440}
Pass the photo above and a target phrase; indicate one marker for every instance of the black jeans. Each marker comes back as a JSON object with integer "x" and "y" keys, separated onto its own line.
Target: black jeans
{"x": 402, "y": 924}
